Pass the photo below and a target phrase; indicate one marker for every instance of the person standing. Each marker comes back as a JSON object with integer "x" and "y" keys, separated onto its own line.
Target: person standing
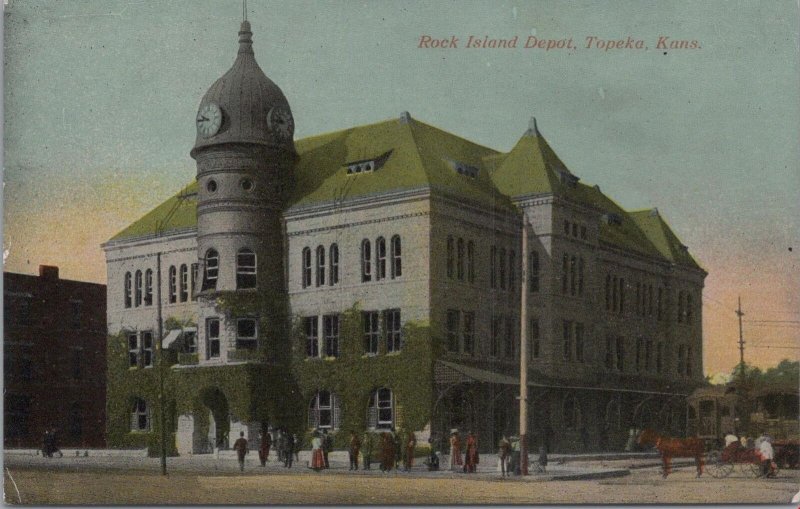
{"x": 398, "y": 447}
{"x": 317, "y": 459}
{"x": 515, "y": 455}
{"x": 327, "y": 446}
{"x": 263, "y": 449}
{"x": 353, "y": 447}
{"x": 471, "y": 458}
{"x": 411, "y": 445}
{"x": 280, "y": 443}
{"x": 504, "y": 453}
{"x": 387, "y": 452}
{"x": 240, "y": 446}
{"x": 298, "y": 444}
{"x": 543, "y": 458}
{"x": 366, "y": 450}
{"x": 767, "y": 455}
{"x": 289, "y": 449}
{"x": 455, "y": 451}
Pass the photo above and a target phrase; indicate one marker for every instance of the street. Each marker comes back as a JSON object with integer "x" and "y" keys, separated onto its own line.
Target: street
{"x": 69, "y": 481}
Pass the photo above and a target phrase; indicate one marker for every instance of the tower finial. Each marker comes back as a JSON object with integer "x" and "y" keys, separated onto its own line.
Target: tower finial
{"x": 245, "y": 35}
{"x": 533, "y": 129}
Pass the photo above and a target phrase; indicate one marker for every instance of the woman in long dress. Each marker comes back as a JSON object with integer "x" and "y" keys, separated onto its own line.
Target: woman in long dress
{"x": 317, "y": 460}
{"x": 387, "y": 452}
{"x": 455, "y": 452}
{"x": 471, "y": 457}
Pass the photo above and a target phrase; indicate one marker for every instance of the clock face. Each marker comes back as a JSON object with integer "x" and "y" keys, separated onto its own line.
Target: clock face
{"x": 281, "y": 122}
{"x": 209, "y": 120}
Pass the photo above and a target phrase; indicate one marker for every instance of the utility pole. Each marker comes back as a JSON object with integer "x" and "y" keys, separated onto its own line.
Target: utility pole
{"x": 741, "y": 340}
{"x": 161, "y": 363}
{"x": 523, "y": 352}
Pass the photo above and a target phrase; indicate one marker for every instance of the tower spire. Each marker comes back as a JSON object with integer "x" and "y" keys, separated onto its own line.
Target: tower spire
{"x": 245, "y": 35}
{"x": 244, "y": 10}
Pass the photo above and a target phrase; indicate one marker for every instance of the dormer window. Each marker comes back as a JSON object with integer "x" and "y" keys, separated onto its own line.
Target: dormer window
{"x": 367, "y": 165}
{"x": 612, "y": 218}
{"x": 568, "y": 178}
{"x": 464, "y": 169}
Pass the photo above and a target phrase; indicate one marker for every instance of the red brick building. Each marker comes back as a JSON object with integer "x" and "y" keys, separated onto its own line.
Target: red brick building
{"x": 54, "y": 346}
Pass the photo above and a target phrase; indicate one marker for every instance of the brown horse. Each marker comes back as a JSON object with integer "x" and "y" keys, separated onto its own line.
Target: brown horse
{"x": 674, "y": 448}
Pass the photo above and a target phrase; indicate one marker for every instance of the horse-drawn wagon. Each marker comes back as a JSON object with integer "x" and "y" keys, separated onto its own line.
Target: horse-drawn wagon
{"x": 722, "y": 463}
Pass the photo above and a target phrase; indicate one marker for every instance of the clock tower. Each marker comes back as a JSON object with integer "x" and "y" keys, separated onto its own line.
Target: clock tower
{"x": 245, "y": 155}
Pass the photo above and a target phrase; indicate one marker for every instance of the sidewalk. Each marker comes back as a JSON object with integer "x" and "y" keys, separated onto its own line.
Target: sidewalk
{"x": 561, "y": 467}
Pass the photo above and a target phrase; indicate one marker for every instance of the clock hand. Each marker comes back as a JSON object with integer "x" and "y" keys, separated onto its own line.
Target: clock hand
{"x": 201, "y": 118}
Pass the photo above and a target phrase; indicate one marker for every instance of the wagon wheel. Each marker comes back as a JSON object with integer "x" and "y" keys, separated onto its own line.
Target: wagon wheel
{"x": 717, "y": 467}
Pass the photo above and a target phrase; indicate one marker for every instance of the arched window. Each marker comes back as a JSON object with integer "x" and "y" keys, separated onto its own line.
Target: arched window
{"x": 140, "y": 416}
{"x": 571, "y": 414}
{"x": 148, "y": 287}
{"x": 460, "y": 259}
{"x": 381, "y": 409}
{"x": 573, "y": 265}
{"x": 173, "y": 285}
{"x": 334, "y": 261}
{"x": 212, "y": 270}
{"x": 533, "y": 271}
{"x": 502, "y": 268}
{"x": 380, "y": 259}
{"x": 471, "y": 261}
{"x": 137, "y": 289}
{"x": 451, "y": 257}
{"x": 397, "y": 257}
{"x": 306, "y": 265}
{"x": 366, "y": 261}
{"x": 323, "y": 411}
{"x": 246, "y": 271}
{"x": 184, "y": 295}
{"x": 688, "y": 307}
{"x": 320, "y": 266}
{"x": 128, "y": 289}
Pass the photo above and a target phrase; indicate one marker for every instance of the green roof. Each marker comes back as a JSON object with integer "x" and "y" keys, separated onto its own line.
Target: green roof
{"x": 177, "y": 213}
{"x": 413, "y": 155}
{"x": 420, "y": 156}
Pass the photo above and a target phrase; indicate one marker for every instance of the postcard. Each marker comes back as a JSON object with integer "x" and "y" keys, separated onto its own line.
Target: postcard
{"x": 427, "y": 252}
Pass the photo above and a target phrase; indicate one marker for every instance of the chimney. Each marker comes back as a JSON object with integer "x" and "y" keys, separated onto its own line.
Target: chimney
{"x": 48, "y": 272}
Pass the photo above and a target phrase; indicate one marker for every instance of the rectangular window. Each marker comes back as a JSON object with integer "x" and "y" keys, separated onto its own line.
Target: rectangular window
{"x": 451, "y": 257}
{"x": 567, "y": 336}
{"x": 689, "y": 361}
{"x": 394, "y": 336}
{"x": 246, "y": 271}
{"x": 497, "y": 328}
{"x": 133, "y": 350}
{"x": 469, "y": 332}
{"x": 76, "y": 315}
{"x": 533, "y": 332}
{"x": 173, "y": 286}
{"x": 453, "y": 317}
{"x": 312, "y": 336}
{"x": 190, "y": 342}
{"x": 371, "y": 331}
{"x": 572, "y": 276}
{"x": 579, "y": 342}
{"x": 512, "y": 270}
{"x": 533, "y": 272}
{"x": 660, "y": 357}
{"x": 502, "y": 267}
{"x": 564, "y": 274}
{"x": 147, "y": 348}
{"x": 460, "y": 260}
{"x": 212, "y": 338}
{"x": 620, "y": 353}
{"x": 493, "y": 267}
{"x": 648, "y": 355}
{"x": 246, "y": 334}
{"x": 330, "y": 327}
{"x": 639, "y": 353}
{"x": 471, "y": 261}
{"x": 509, "y": 343}
{"x": 77, "y": 364}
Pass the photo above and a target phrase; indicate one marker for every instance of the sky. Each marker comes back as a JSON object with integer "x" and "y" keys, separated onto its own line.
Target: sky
{"x": 101, "y": 96}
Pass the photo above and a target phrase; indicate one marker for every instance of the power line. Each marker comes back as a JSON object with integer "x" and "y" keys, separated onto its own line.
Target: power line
{"x": 772, "y": 321}
{"x": 776, "y": 346}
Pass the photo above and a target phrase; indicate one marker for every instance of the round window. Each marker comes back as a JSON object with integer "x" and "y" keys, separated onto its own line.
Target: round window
{"x": 211, "y": 186}
{"x": 247, "y": 184}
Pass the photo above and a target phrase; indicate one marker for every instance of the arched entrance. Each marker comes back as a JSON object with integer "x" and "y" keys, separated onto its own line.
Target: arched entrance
{"x": 211, "y": 421}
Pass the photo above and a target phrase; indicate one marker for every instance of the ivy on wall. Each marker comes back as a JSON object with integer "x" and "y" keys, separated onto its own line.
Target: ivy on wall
{"x": 278, "y": 389}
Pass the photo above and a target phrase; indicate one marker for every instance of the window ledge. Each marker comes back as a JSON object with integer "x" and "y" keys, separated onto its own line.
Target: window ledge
{"x": 395, "y": 353}
{"x": 329, "y": 359}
